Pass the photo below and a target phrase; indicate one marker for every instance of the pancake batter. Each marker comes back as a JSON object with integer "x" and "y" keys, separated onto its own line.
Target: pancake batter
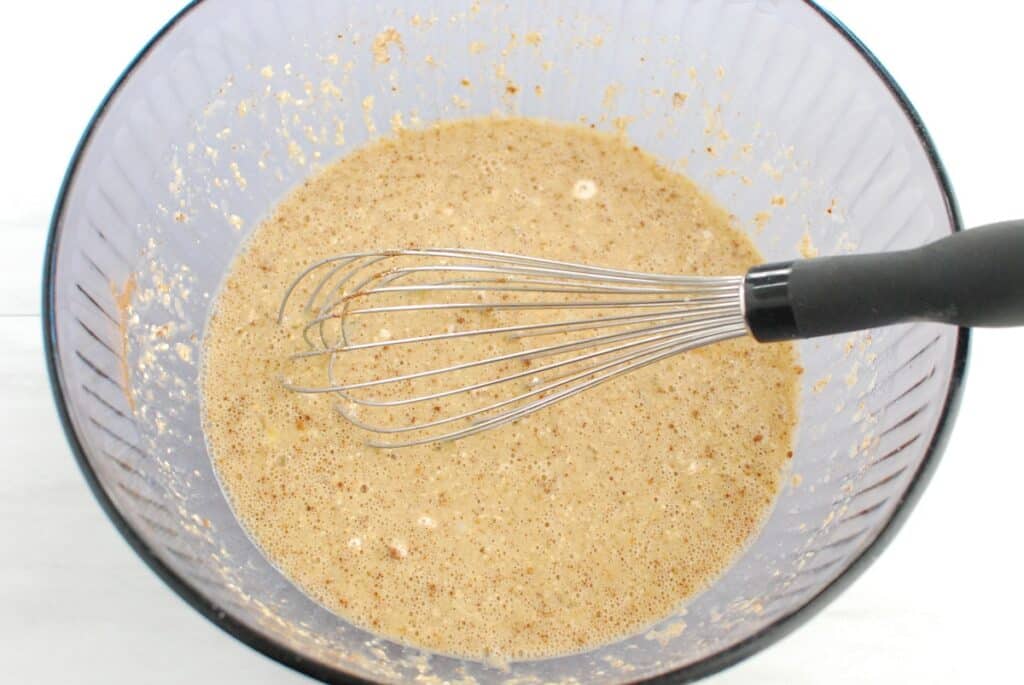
{"x": 576, "y": 526}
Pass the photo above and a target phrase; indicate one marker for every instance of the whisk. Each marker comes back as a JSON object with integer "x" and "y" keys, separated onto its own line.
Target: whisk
{"x": 430, "y": 345}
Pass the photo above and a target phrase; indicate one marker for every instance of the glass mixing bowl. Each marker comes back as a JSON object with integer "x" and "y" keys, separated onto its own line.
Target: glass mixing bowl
{"x": 771, "y": 105}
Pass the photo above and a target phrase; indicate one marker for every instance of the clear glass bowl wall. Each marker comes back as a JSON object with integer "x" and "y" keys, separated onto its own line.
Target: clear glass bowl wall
{"x": 235, "y": 103}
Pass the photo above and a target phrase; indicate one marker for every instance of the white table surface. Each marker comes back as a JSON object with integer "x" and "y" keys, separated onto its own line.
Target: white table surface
{"x": 942, "y": 605}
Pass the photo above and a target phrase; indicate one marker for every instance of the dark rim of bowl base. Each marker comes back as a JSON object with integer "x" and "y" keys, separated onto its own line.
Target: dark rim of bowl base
{"x": 321, "y": 671}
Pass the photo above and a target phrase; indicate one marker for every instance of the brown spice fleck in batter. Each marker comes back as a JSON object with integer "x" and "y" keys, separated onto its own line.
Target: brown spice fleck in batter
{"x": 576, "y": 526}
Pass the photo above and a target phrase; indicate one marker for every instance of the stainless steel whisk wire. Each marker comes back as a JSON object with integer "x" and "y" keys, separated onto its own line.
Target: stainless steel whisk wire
{"x": 668, "y": 315}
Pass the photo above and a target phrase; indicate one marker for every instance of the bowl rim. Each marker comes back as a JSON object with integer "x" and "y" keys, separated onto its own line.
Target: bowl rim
{"x": 319, "y": 670}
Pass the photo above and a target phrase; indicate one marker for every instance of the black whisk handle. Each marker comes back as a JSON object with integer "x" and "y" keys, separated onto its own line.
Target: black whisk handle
{"x": 971, "y": 278}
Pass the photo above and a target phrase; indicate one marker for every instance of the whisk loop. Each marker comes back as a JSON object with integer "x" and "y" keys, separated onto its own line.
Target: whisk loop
{"x": 430, "y": 345}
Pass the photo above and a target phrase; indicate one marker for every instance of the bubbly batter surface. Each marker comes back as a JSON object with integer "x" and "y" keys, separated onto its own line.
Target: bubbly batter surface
{"x": 571, "y": 528}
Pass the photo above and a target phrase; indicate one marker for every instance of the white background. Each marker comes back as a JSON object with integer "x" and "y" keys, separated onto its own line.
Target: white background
{"x": 942, "y": 605}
